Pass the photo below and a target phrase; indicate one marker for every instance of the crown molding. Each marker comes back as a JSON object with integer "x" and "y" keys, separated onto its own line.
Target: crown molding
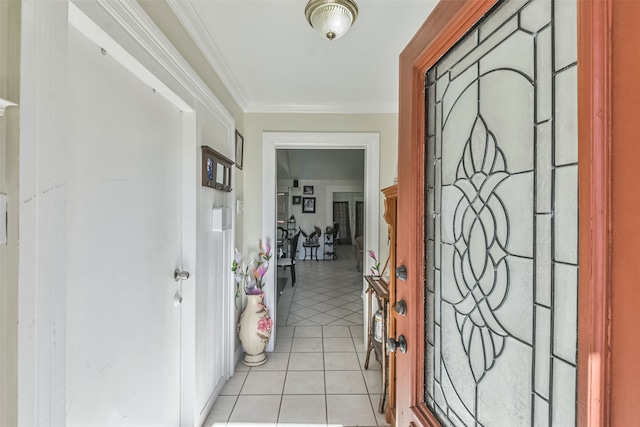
{"x": 378, "y": 108}
{"x": 142, "y": 30}
{"x": 188, "y": 17}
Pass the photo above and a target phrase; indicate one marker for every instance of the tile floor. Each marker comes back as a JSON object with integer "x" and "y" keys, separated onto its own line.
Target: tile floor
{"x": 315, "y": 376}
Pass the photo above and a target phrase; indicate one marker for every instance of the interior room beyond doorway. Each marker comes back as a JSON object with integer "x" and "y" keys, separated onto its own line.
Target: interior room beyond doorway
{"x": 317, "y": 194}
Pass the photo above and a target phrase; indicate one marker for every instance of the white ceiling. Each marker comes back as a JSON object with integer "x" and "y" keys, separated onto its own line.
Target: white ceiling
{"x": 320, "y": 164}
{"x": 273, "y": 61}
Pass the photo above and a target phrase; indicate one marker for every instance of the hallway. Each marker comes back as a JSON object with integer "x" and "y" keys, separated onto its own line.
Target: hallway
{"x": 315, "y": 376}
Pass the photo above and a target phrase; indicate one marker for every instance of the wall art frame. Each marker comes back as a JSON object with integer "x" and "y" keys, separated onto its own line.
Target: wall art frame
{"x": 216, "y": 170}
{"x": 239, "y": 150}
{"x": 308, "y": 205}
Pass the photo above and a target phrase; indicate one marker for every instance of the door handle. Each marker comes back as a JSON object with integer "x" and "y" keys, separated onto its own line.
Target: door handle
{"x": 401, "y": 308}
{"x": 394, "y": 345}
{"x": 401, "y": 273}
{"x": 179, "y": 275}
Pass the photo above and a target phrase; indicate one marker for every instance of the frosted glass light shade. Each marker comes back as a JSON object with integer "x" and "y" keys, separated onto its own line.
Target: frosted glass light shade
{"x": 331, "y": 18}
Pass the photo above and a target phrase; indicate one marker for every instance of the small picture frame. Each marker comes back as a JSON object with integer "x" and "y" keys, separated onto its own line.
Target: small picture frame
{"x": 307, "y": 190}
{"x": 297, "y": 200}
{"x": 216, "y": 170}
{"x": 239, "y": 150}
{"x": 308, "y": 205}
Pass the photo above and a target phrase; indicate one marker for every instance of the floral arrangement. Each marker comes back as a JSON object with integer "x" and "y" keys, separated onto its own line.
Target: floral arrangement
{"x": 375, "y": 270}
{"x": 251, "y": 276}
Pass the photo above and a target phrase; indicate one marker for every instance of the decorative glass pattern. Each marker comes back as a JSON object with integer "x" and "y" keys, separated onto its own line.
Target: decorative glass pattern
{"x": 502, "y": 221}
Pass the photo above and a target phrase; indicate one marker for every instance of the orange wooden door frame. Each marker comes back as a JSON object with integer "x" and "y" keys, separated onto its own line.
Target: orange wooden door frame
{"x": 449, "y": 21}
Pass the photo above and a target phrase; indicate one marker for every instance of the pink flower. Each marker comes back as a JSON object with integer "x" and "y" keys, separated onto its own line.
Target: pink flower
{"x": 375, "y": 270}
{"x": 265, "y": 324}
{"x": 261, "y": 271}
{"x": 253, "y": 289}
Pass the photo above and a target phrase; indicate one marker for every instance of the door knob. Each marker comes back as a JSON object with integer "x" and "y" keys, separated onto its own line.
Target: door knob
{"x": 180, "y": 275}
{"x": 401, "y": 344}
{"x": 401, "y": 273}
{"x": 400, "y": 307}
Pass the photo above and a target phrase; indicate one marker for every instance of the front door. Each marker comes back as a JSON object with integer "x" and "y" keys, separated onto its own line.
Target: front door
{"x": 124, "y": 243}
{"x": 493, "y": 271}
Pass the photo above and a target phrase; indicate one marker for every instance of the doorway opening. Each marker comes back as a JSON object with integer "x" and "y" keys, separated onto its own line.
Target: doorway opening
{"x": 272, "y": 142}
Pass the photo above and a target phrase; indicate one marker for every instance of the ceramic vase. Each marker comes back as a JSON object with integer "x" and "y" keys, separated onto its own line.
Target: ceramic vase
{"x": 254, "y": 330}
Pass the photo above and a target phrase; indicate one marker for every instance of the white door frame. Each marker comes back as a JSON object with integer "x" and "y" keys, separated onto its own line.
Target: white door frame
{"x": 123, "y": 28}
{"x": 273, "y": 141}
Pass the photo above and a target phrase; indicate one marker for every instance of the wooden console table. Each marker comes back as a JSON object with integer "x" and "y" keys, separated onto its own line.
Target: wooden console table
{"x": 379, "y": 289}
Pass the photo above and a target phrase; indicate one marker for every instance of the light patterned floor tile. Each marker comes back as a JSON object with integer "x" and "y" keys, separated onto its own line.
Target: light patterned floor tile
{"x": 340, "y": 345}
{"x": 356, "y": 331}
{"x": 341, "y": 362}
{"x": 283, "y": 345}
{"x": 350, "y": 410}
{"x": 268, "y": 382}
{"x": 306, "y": 345}
{"x": 341, "y": 322}
{"x": 323, "y": 318}
{"x": 235, "y": 383}
{"x": 355, "y": 318}
{"x": 304, "y": 382}
{"x": 305, "y": 322}
{"x": 345, "y": 382}
{"x": 221, "y": 411}
{"x": 375, "y": 402}
{"x": 339, "y": 312}
{"x": 306, "y": 312}
{"x": 275, "y": 362}
{"x": 308, "y": 332}
{"x": 256, "y": 409}
{"x": 336, "y": 332}
{"x": 306, "y": 362}
{"x": 305, "y": 410}
{"x": 373, "y": 381}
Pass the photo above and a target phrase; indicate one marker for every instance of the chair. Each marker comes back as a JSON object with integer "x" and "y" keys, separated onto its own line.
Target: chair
{"x": 283, "y": 234}
{"x": 336, "y": 238}
{"x": 359, "y": 250}
{"x": 281, "y": 240}
{"x": 290, "y": 262}
{"x": 336, "y": 233}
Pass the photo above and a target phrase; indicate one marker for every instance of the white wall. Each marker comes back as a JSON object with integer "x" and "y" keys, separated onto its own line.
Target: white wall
{"x": 9, "y": 140}
{"x": 213, "y": 277}
{"x": 255, "y": 124}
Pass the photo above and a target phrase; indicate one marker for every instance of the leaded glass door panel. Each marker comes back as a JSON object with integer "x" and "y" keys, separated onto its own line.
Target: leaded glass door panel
{"x": 501, "y": 221}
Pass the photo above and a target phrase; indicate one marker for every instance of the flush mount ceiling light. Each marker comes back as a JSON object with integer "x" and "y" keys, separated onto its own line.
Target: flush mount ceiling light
{"x": 331, "y": 18}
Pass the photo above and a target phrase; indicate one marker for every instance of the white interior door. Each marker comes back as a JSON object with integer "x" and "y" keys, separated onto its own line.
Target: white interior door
{"x": 124, "y": 243}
